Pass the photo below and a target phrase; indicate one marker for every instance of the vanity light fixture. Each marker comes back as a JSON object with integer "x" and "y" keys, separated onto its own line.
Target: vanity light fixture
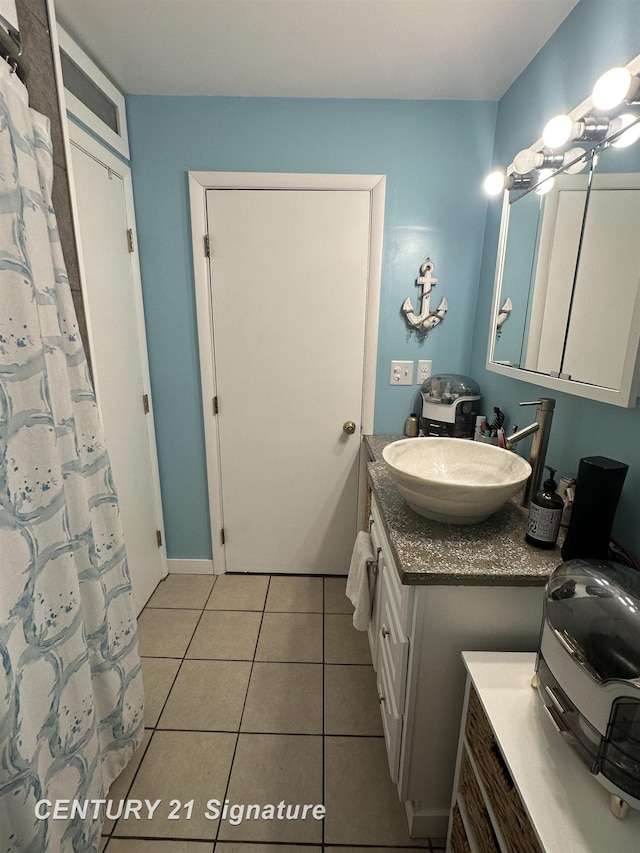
{"x": 531, "y": 165}
{"x": 627, "y": 137}
{"x": 615, "y": 87}
{"x": 494, "y": 183}
{"x": 497, "y": 182}
{"x": 574, "y": 160}
{"x": 527, "y": 160}
{"x": 563, "y": 129}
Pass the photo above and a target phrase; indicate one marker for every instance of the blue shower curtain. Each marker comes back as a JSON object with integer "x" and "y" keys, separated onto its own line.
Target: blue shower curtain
{"x": 71, "y": 700}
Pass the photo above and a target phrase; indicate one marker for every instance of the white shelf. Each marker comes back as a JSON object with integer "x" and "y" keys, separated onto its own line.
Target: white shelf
{"x": 568, "y": 809}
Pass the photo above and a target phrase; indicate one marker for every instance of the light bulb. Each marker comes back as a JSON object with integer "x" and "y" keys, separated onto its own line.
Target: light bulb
{"x": 527, "y": 160}
{"x": 613, "y": 88}
{"x": 558, "y": 131}
{"x": 545, "y": 181}
{"x": 578, "y": 155}
{"x": 494, "y": 183}
{"x": 629, "y": 136}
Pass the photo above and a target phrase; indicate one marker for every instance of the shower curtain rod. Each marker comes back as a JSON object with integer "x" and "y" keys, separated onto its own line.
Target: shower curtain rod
{"x": 11, "y": 49}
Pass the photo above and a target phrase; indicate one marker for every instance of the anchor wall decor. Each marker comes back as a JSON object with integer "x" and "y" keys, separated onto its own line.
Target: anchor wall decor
{"x": 426, "y": 319}
{"x": 503, "y": 314}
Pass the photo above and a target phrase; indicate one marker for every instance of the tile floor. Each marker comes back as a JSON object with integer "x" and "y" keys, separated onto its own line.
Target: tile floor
{"x": 258, "y": 690}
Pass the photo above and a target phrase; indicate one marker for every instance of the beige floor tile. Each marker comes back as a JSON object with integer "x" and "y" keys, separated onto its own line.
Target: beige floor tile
{"x": 342, "y": 643}
{"x": 335, "y": 596}
{"x": 239, "y": 592}
{"x": 361, "y": 800}
{"x": 232, "y": 847}
{"x": 414, "y": 841}
{"x": 226, "y": 635}
{"x": 290, "y": 637}
{"x": 295, "y": 595}
{"x": 270, "y": 769}
{"x": 208, "y": 695}
{"x": 284, "y": 698}
{"x": 166, "y": 633}
{"x": 183, "y": 766}
{"x": 158, "y": 675}
{"x": 351, "y": 701}
{"x": 120, "y": 786}
{"x": 185, "y": 591}
{"x": 138, "y": 845}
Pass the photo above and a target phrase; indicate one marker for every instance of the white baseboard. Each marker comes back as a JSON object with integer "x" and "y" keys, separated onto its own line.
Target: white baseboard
{"x": 190, "y": 567}
{"x": 425, "y": 824}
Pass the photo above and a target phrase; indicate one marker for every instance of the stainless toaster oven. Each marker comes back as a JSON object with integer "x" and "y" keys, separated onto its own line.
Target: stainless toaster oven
{"x": 588, "y": 670}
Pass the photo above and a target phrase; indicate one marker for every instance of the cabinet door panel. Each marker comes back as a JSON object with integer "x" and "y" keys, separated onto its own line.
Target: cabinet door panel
{"x": 391, "y": 719}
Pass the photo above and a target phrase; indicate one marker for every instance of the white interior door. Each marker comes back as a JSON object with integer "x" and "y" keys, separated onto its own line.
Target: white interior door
{"x": 288, "y": 272}
{"x": 118, "y": 351}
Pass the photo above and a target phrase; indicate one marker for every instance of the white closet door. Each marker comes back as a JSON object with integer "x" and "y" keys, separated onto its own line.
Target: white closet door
{"x": 118, "y": 350}
{"x": 289, "y": 273}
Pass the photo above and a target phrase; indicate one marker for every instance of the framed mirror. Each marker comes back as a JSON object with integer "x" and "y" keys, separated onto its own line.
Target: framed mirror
{"x": 566, "y": 309}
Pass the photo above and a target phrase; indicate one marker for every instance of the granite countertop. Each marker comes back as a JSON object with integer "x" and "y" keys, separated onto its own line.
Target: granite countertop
{"x": 492, "y": 553}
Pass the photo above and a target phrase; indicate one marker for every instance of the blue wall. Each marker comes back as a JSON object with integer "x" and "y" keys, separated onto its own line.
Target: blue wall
{"x": 597, "y": 35}
{"x": 433, "y": 154}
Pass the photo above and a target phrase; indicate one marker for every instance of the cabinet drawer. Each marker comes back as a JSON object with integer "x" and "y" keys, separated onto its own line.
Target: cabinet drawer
{"x": 509, "y": 813}
{"x": 391, "y": 720}
{"x": 393, "y": 643}
{"x": 400, "y": 596}
{"x": 476, "y": 811}
{"x": 458, "y": 841}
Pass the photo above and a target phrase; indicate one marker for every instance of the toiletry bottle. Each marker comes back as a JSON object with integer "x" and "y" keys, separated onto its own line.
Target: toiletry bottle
{"x": 566, "y": 490}
{"x": 545, "y": 514}
{"x": 411, "y": 426}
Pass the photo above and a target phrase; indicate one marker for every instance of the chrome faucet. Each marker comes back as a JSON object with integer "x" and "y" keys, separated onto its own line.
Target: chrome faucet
{"x": 540, "y": 430}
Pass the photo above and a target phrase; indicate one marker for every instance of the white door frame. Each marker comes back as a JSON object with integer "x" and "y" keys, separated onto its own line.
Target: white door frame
{"x": 95, "y": 149}
{"x": 199, "y": 183}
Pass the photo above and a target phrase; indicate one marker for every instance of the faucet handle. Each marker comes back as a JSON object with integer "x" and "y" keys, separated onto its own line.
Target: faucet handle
{"x": 547, "y": 404}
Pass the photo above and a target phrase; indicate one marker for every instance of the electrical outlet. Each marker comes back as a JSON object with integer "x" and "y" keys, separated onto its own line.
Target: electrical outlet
{"x": 424, "y": 371}
{"x": 401, "y": 373}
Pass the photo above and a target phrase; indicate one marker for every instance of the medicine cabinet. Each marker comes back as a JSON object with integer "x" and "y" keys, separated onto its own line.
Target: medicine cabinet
{"x": 566, "y": 311}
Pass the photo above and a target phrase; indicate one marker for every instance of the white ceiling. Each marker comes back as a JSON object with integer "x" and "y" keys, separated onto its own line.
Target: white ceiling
{"x": 414, "y": 49}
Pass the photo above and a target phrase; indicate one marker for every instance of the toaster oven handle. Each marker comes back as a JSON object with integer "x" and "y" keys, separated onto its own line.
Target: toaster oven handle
{"x": 552, "y": 693}
{"x": 566, "y": 641}
{"x": 551, "y": 716}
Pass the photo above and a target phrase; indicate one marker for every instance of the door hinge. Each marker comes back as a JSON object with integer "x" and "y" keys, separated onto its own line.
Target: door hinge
{"x": 216, "y": 406}
{"x": 222, "y": 536}
{"x": 207, "y": 246}
{"x": 130, "y": 239}
{"x": 159, "y": 538}
{"x": 145, "y": 403}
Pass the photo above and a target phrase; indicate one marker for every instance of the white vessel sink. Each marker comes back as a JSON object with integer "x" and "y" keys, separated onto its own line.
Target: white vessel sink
{"x": 454, "y": 480}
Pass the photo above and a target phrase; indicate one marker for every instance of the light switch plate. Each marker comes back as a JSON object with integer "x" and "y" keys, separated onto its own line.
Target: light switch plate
{"x": 401, "y": 373}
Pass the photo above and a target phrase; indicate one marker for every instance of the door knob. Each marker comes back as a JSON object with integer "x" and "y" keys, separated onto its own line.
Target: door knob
{"x": 349, "y": 427}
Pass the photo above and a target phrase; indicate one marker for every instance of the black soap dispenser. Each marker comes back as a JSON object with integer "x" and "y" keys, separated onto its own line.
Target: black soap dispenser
{"x": 545, "y": 515}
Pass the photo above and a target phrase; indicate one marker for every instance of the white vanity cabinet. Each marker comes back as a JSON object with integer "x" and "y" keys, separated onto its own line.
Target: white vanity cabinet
{"x": 417, "y": 635}
{"x": 389, "y": 642}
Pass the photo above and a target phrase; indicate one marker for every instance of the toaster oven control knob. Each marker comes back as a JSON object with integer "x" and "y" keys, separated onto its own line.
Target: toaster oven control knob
{"x": 349, "y": 427}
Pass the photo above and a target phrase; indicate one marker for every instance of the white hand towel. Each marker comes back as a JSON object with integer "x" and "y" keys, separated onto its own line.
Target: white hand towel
{"x": 358, "y": 581}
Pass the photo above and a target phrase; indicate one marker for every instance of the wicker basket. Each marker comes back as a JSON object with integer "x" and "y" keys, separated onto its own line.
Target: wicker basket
{"x": 477, "y": 814}
{"x": 459, "y": 843}
{"x": 505, "y": 801}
